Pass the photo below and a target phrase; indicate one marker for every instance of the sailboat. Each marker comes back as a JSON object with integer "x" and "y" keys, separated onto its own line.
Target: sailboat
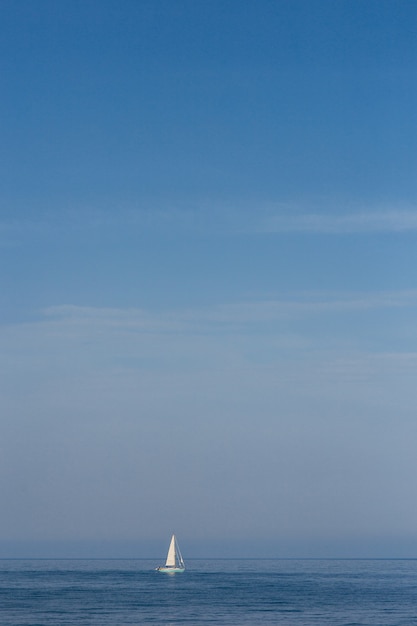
{"x": 174, "y": 562}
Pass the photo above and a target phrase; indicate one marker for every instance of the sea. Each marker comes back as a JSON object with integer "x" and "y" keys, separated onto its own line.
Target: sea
{"x": 227, "y": 592}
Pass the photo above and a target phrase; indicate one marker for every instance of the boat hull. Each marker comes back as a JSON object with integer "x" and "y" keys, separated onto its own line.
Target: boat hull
{"x": 170, "y": 570}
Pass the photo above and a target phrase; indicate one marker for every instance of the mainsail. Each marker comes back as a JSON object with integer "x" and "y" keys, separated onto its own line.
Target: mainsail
{"x": 170, "y": 562}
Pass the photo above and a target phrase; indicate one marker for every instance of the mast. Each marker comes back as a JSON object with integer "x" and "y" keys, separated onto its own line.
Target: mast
{"x": 178, "y": 554}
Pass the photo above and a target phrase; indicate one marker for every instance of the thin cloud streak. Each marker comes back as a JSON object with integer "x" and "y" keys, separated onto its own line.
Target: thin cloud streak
{"x": 201, "y": 217}
{"x": 395, "y": 221}
{"x": 232, "y": 314}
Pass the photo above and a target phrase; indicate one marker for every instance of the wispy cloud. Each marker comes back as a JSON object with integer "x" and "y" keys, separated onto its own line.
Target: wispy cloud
{"x": 210, "y": 218}
{"x": 231, "y": 314}
{"x": 358, "y": 222}
{"x": 229, "y": 335}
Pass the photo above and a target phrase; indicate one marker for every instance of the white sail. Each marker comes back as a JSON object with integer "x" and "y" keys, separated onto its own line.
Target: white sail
{"x": 170, "y": 562}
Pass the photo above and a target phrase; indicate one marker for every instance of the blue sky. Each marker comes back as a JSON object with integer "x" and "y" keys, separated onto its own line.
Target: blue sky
{"x": 208, "y": 296}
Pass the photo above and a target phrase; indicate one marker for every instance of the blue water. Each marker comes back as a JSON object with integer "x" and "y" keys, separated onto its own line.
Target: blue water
{"x": 294, "y": 593}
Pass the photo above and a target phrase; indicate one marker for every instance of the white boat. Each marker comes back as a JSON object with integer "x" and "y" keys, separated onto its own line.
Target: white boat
{"x": 174, "y": 562}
